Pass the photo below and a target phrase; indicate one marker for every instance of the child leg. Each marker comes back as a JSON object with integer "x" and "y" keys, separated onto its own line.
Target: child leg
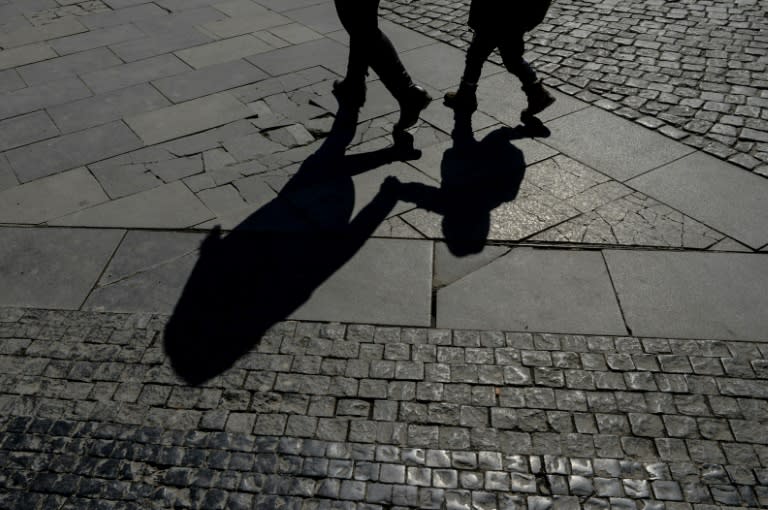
{"x": 512, "y": 50}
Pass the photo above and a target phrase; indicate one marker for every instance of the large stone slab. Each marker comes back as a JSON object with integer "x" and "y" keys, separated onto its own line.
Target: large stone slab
{"x": 25, "y": 129}
{"x": 70, "y": 151}
{"x": 10, "y": 80}
{"x": 34, "y": 34}
{"x": 52, "y": 268}
{"x": 168, "y": 206}
{"x": 535, "y": 290}
{"x": 209, "y": 80}
{"x": 35, "y": 98}
{"x": 123, "y": 16}
{"x": 692, "y": 295}
{"x": 322, "y": 52}
{"x": 96, "y": 38}
{"x": 68, "y": 66}
{"x": 223, "y": 51}
{"x": 23, "y": 55}
{"x": 245, "y": 24}
{"x": 377, "y": 286}
{"x": 714, "y": 192}
{"x": 134, "y": 73}
{"x": 439, "y": 65}
{"x": 187, "y": 118}
{"x": 320, "y": 18}
{"x": 108, "y": 107}
{"x": 501, "y": 97}
{"x": 147, "y": 272}
{"x": 172, "y": 39}
{"x": 50, "y": 197}
{"x": 612, "y": 145}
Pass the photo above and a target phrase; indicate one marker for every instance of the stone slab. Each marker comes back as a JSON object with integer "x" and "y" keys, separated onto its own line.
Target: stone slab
{"x": 34, "y": 98}
{"x": 716, "y": 193}
{"x": 147, "y": 272}
{"x": 501, "y": 97}
{"x": 96, "y": 39}
{"x": 25, "y": 129}
{"x": 450, "y": 268}
{"x": 51, "y": 197}
{"x": 7, "y": 177}
{"x": 209, "y": 80}
{"x": 172, "y": 39}
{"x": 168, "y": 206}
{"x": 223, "y": 51}
{"x": 108, "y": 107}
{"x": 52, "y": 268}
{"x": 73, "y": 150}
{"x": 23, "y": 55}
{"x": 34, "y": 34}
{"x": 134, "y": 73}
{"x": 321, "y": 18}
{"x": 692, "y": 295}
{"x": 377, "y": 286}
{"x": 68, "y": 66}
{"x": 612, "y": 145}
{"x": 122, "y": 16}
{"x": 188, "y": 118}
{"x": 288, "y": 5}
{"x": 322, "y": 52}
{"x": 240, "y": 25}
{"x": 439, "y": 65}
{"x": 10, "y": 80}
{"x": 535, "y": 290}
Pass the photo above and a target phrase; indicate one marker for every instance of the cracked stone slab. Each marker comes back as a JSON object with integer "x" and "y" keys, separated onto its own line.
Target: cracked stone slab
{"x": 376, "y": 285}
{"x": 612, "y": 145}
{"x": 713, "y": 192}
{"x": 51, "y": 267}
{"x": 692, "y": 295}
{"x": 51, "y": 197}
{"x": 168, "y": 206}
{"x": 536, "y": 290}
{"x": 634, "y": 220}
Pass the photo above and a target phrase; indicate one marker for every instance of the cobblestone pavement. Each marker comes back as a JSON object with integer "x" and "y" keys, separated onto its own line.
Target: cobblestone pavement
{"x": 694, "y": 70}
{"x": 363, "y": 417}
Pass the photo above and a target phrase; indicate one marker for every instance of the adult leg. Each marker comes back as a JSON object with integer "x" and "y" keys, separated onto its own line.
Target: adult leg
{"x": 512, "y": 50}
{"x": 359, "y": 19}
{"x": 464, "y": 98}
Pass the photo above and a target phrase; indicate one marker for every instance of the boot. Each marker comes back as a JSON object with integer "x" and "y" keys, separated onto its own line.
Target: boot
{"x": 348, "y": 93}
{"x": 463, "y": 100}
{"x": 538, "y": 100}
{"x": 415, "y": 99}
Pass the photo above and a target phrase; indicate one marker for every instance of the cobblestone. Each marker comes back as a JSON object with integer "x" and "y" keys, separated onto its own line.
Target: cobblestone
{"x": 248, "y": 439}
{"x": 686, "y": 68}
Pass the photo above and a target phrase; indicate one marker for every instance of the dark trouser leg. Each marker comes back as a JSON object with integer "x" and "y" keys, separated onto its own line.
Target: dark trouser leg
{"x": 370, "y": 47}
{"x": 512, "y": 49}
{"x": 479, "y": 50}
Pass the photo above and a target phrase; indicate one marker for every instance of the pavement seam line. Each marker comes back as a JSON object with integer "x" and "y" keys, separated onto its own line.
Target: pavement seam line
{"x": 616, "y": 293}
{"x": 103, "y": 270}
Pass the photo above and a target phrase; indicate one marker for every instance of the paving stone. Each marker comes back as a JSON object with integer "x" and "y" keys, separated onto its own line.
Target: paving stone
{"x": 165, "y": 41}
{"x": 24, "y": 55}
{"x": 69, "y": 151}
{"x": 10, "y": 81}
{"x": 187, "y": 118}
{"x": 68, "y": 66}
{"x": 26, "y": 129}
{"x": 223, "y": 51}
{"x": 168, "y": 206}
{"x": 35, "y": 34}
{"x": 46, "y": 268}
{"x": 243, "y": 21}
{"x": 322, "y": 17}
{"x": 134, "y": 73}
{"x": 105, "y": 108}
{"x": 324, "y": 52}
{"x": 34, "y": 98}
{"x": 397, "y": 296}
{"x": 50, "y": 198}
{"x": 718, "y": 185}
{"x": 208, "y": 80}
{"x": 96, "y": 38}
{"x": 534, "y": 303}
{"x": 651, "y": 284}
{"x": 125, "y": 14}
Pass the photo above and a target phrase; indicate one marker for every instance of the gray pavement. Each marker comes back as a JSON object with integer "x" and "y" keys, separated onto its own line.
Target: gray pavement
{"x": 199, "y": 310}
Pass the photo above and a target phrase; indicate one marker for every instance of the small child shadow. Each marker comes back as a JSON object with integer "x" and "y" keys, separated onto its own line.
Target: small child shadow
{"x": 477, "y": 176}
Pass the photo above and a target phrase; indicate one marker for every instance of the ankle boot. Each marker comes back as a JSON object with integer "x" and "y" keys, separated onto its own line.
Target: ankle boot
{"x": 349, "y": 93}
{"x": 414, "y": 100}
{"x": 464, "y": 99}
{"x": 538, "y": 99}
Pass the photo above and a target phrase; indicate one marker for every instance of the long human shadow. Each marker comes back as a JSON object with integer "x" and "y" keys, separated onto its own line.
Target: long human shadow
{"x": 477, "y": 176}
{"x": 269, "y": 265}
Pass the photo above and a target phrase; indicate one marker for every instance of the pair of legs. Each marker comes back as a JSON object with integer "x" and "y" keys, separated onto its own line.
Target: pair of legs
{"x": 511, "y": 47}
{"x": 370, "y": 47}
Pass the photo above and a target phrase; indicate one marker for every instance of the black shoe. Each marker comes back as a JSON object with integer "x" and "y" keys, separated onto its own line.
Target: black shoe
{"x": 348, "y": 94}
{"x": 461, "y": 101}
{"x": 538, "y": 100}
{"x": 415, "y": 101}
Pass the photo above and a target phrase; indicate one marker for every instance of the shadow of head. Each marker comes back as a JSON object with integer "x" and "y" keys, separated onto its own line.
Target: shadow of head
{"x": 478, "y": 177}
